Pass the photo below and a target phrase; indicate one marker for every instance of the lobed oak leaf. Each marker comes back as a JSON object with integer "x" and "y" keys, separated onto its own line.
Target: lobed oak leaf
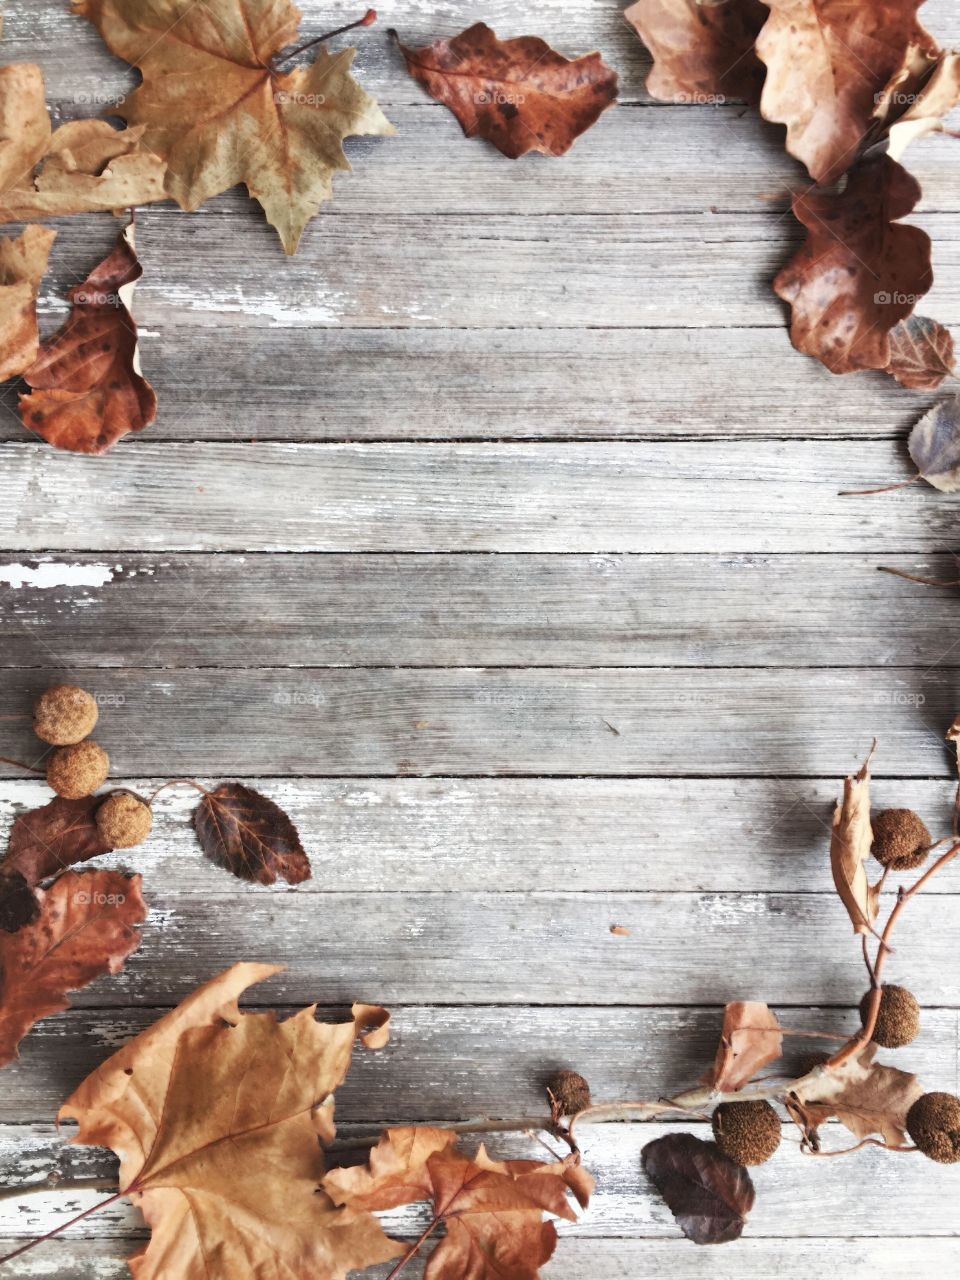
{"x": 701, "y": 52}
{"x": 850, "y": 842}
{"x": 934, "y": 445}
{"x": 709, "y": 1194}
{"x": 54, "y": 837}
{"x": 248, "y": 834}
{"x": 828, "y": 64}
{"x": 216, "y": 110}
{"x": 23, "y": 261}
{"x": 88, "y": 390}
{"x": 860, "y": 272}
{"x": 86, "y": 927}
{"x": 750, "y": 1038}
{"x": 519, "y": 94}
{"x": 492, "y": 1210}
{"x": 921, "y": 353}
{"x": 216, "y": 1115}
{"x": 867, "y": 1097}
{"x": 24, "y": 123}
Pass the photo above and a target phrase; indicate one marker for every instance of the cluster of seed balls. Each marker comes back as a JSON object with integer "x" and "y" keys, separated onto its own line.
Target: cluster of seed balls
{"x": 749, "y": 1132}
{"x": 64, "y": 716}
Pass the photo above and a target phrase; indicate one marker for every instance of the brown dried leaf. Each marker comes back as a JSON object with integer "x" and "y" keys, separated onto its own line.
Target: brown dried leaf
{"x": 22, "y": 263}
{"x": 24, "y": 123}
{"x": 520, "y": 94}
{"x": 850, "y": 843}
{"x": 860, "y": 272}
{"x": 216, "y": 1116}
{"x": 701, "y": 52}
{"x": 86, "y": 927}
{"x": 865, "y": 1096}
{"x": 828, "y": 63}
{"x": 921, "y": 94}
{"x": 246, "y": 833}
{"x": 935, "y": 445}
{"x": 492, "y": 1210}
{"x": 707, "y": 1192}
{"x": 88, "y": 388}
{"x": 56, "y": 836}
{"x": 921, "y": 353}
{"x": 751, "y": 1037}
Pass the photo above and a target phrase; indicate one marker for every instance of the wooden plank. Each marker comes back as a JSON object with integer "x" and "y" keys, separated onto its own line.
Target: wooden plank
{"x": 469, "y": 610}
{"x": 678, "y": 497}
{"x": 793, "y": 1192}
{"x": 237, "y": 382}
{"x": 560, "y": 721}
{"x": 522, "y": 834}
{"x": 454, "y": 1064}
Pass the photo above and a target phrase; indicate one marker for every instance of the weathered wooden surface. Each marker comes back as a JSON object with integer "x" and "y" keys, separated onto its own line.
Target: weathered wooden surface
{"x": 509, "y": 477}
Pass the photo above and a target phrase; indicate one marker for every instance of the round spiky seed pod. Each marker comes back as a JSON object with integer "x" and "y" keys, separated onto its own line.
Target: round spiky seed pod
{"x": 747, "y": 1132}
{"x": 901, "y": 840}
{"x": 64, "y": 714}
{"x": 78, "y": 770}
{"x": 124, "y": 820}
{"x": 898, "y": 1021}
{"x": 933, "y": 1122}
{"x": 570, "y": 1092}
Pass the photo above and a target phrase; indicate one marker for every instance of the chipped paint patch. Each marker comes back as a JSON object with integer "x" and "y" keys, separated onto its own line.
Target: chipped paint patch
{"x": 55, "y": 574}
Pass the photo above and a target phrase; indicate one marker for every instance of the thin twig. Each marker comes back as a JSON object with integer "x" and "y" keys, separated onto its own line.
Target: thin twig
{"x": 913, "y": 577}
{"x": 848, "y": 1151}
{"x": 18, "y": 764}
{"x": 368, "y": 19}
{"x": 887, "y": 488}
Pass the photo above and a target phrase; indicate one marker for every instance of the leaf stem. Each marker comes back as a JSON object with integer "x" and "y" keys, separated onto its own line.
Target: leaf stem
{"x": 415, "y": 1248}
{"x": 368, "y": 19}
{"x": 101, "y": 1204}
{"x": 866, "y": 1142}
{"x": 913, "y": 577}
{"x": 18, "y": 764}
{"x": 886, "y": 488}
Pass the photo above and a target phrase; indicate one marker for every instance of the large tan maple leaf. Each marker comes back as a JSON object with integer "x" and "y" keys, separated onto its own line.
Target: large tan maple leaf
{"x": 217, "y": 1118}
{"x": 219, "y": 114}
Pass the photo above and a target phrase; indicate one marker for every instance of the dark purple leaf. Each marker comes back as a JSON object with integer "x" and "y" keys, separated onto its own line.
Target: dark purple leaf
{"x": 249, "y": 835}
{"x": 709, "y": 1194}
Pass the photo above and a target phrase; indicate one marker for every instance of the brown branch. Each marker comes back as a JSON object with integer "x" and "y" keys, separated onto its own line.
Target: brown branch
{"x": 848, "y": 1151}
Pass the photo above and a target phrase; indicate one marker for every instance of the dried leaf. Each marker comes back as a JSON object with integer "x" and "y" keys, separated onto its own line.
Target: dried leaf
{"x": 492, "y": 1210}
{"x": 921, "y": 94}
{"x": 242, "y": 830}
{"x": 850, "y": 843}
{"x": 751, "y": 1037}
{"x": 88, "y": 388}
{"x": 828, "y": 63}
{"x": 24, "y": 123}
{"x": 56, "y": 836}
{"x": 216, "y": 1115}
{"x": 859, "y": 272}
{"x": 86, "y": 927}
{"x": 89, "y": 165}
{"x": 22, "y": 263}
{"x": 935, "y": 445}
{"x": 218, "y": 114}
{"x": 19, "y": 905}
{"x": 921, "y": 353}
{"x": 865, "y": 1096}
{"x": 520, "y": 94}
{"x": 702, "y": 52}
{"x": 707, "y": 1192}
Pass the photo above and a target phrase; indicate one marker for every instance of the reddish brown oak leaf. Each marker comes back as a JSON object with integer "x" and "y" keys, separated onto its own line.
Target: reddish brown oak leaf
{"x": 751, "y": 1038}
{"x": 709, "y": 1194}
{"x": 88, "y": 390}
{"x": 54, "y": 837}
{"x": 246, "y": 833}
{"x": 218, "y": 1118}
{"x": 86, "y": 927}
{"x": 701, "y": 52}
{"x": 520, "y": 94}
{"x": 860, "y": 272}
{"x": 921, "y": 353}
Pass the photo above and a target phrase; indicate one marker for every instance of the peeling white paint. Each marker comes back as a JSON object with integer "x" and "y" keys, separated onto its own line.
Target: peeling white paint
{"x": 55, "y": 574}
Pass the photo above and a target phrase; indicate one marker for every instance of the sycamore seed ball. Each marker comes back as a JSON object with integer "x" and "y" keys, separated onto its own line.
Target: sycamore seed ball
{"x": 747, "y": 1132}
{"x": 78, "y": 770}
{"x": 570, "y": 1091}
{"x": 901, "y": 841}
{"x": 64, "y": 714}
{"x": 933, "y": 1122}
{"x": 898, "y": 1022}
{"x": 124, "y": 820}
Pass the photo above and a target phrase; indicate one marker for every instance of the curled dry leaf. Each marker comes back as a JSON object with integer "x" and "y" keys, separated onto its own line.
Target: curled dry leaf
{"x": 860, "y": 272}
{"x": 217, "y": 1118}
{"x": 828, "y": 64}
{"x": 707, "y": 1192}
{"x": 921, "y": 94}
{"x": 217, "y": 112}
{"x": 22, "y": 263}
{"x": 921, "y": 353}
{"x": 850, "y": 842}
{"x": 88, "y": 390}
{"x": 86, "y": 927}
{"x": 865, "y": 1096}
{"x": 240, "y": 829}
{"x": 935, "y": 445}
{"x": 492, "y": 1210}
{"x": 24, "y": 123}
{"x": 520, "y": 94}
{"x": 750, "y": 1038}
{"x": 701, "y": 52}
